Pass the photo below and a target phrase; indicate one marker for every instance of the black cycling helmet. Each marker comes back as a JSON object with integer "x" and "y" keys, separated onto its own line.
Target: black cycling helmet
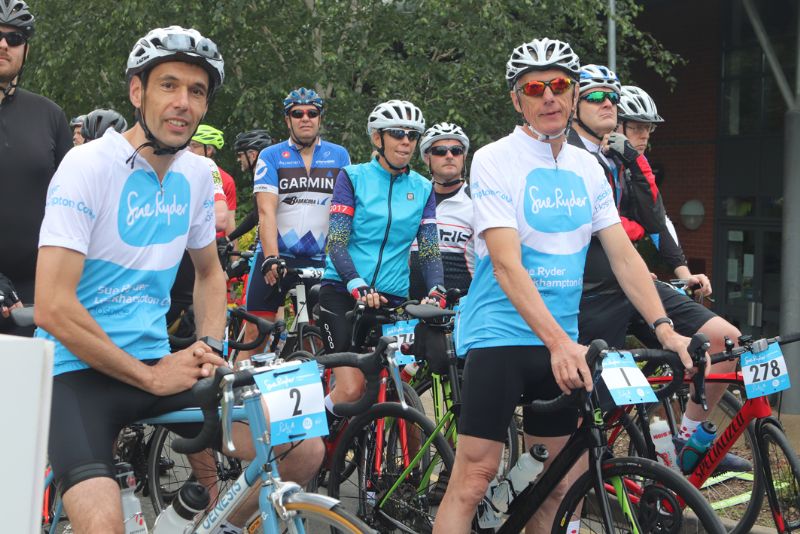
{"x": 100, "y": 120}
{"x": 77, "y": 121}
{"x": 16, "y": 13}
{"x": 256, "y": 140}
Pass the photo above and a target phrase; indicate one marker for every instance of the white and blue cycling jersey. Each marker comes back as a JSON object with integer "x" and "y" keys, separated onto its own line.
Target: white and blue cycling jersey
{"x": 132, "y": 229}
{"x": 304, "y": 198}
{"x": 555, "y": 207}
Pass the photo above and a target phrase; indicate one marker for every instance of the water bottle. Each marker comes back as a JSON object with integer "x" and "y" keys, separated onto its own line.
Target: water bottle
{"x": 281, "y": 342}
{"x": 179, "y": 517}
{"x": 697, "y": 446}
{"x": 409, "y": 371}
{"x": 499, "y": 494}
{"x": 131, "y": 507}
{"x": 662, "y": 440}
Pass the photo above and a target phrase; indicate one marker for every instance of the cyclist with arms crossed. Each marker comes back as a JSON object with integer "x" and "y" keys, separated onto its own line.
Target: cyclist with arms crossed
{"x": 33, "y": 139}
{"x": 605, "y": 310}
{"x": 293, "y": 185}
{"x": 378, "y": 209}
{"x": 128, "y": 205}
{"x": 638, "y": 116}
{"x": 444, "y": 149}
{"x": 537, "y": 202}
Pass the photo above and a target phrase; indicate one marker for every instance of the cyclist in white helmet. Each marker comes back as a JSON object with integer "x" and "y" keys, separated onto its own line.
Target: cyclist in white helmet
{"x": 537, "y": 201}
{"x": 377, "y": 210}
{"x": 121, "y": 210}
{"x": 444, "y": 148}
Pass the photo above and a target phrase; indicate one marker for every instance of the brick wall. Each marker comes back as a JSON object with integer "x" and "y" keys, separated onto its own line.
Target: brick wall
{"x": 685, "y": 145}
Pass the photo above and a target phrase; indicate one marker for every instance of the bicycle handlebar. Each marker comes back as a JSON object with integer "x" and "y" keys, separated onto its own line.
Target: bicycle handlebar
{"x": 264, "y": 328}
{"x": 371, "y": 365}
{"x": 209, "y": 391}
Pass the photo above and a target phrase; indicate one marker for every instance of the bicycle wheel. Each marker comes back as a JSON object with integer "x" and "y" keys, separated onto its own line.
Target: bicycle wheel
{"x": 736, "y": 497}
{"x": 395, "y": 484}
{"x": 167, "y": 470}
{"x": 782, "y": 469}
{"x": 318, "y": 514}
{"x": 643, "y": 496}
{"x": 311, "y": 342}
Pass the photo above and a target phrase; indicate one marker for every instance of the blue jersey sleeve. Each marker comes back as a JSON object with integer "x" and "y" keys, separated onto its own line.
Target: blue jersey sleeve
{"x": 265, "y": 176}
{"x": 343, "y": 204}
{"x": 430, "y": 258}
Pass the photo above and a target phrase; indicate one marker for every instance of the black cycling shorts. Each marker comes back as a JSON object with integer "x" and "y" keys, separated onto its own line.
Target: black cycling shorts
{"x": 497, "y": 379}
{"x": 611, "y": 316}
{"x": 264, "y": 298}
{"x": 88, "y": 411}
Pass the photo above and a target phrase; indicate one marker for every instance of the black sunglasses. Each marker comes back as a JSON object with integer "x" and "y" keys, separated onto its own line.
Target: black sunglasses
{"x": 399, "y": 134}
{"x": 300, "y": 113}
{"x": 442, "y": 150}
{"x": 13, "y": 38}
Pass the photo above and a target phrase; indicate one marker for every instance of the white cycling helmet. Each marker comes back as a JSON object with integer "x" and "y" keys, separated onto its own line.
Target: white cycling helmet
{"x": 541, "y": 54}
{"x": 177, "y": 44}
{"x": 636, "y": 105}
{"x": 440, "y": 131}
{"x": 598, "y": 77}
{"x": 395, "y": 114}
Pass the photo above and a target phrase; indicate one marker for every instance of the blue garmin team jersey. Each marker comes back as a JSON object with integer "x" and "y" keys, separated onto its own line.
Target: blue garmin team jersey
{"x": 303, "y": 197}
{"x": 132, "y": 230}
{"x": 555, "y": 207}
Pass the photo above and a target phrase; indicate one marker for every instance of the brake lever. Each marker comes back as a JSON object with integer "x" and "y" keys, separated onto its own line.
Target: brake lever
{"x": 697, "y": 349}
{"x": 226, "y": 386}
{"x": 394, "y": 370}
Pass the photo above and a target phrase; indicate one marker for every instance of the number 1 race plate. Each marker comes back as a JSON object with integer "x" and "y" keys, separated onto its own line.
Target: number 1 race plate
{"x": 404, "y": 332}
{"x": 625, "y": 380}
{"x": 764, "y": 372}
{"x": 293, "y": 393}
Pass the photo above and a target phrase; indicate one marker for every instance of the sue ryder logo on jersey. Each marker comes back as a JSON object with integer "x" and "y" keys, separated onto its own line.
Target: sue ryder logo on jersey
{"x": 151, "y": 213}
{"x": 556, "y": 201}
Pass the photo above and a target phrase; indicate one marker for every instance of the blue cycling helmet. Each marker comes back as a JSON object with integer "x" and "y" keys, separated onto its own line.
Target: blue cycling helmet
{"x": 598, "y": 76}
{"x": 302, "y": 96}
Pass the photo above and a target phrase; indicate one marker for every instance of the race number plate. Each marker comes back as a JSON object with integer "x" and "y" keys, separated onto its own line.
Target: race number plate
{"x": 625, "y": 381}
{"x": 404, "y": 332}
{"x": 294, "y": 395}
{"x": 764, "y": 372}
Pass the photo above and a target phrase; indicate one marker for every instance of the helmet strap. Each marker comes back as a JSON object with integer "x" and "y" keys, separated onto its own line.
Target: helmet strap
{"x": 536, "y": 133}
{"x": 159, "y": 149}
{"x": 382, "y": 154}
{"x": 8, "y": 92}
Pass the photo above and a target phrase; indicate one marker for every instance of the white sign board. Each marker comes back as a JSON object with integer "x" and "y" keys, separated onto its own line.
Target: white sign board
{"x": 25, "y": 397}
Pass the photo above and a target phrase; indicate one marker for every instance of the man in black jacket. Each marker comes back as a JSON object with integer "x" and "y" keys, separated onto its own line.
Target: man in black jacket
{"x": 34, "y": 136}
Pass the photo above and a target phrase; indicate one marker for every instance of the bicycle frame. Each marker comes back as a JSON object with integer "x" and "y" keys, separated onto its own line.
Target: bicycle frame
{"x": 263, "y": 468}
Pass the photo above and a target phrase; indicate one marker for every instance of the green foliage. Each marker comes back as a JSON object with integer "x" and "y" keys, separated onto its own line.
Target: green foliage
{"x": 447, "y": 56}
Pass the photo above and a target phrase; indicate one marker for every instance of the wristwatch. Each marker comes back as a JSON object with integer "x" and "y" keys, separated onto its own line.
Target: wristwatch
{"x": 214, "y": 343}
{"x": 662, "y": 320}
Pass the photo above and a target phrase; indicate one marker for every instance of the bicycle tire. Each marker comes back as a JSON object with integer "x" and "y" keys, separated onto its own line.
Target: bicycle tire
{"x": 168, "y": 470}
{"x": 414, "y": 501}
{"x": 311, "y": 342}
{"x": 782, "y": 470}
{"x": 337, "y": 518}
{"x": 661, "y": 489}
{"x": 736, "y": 498}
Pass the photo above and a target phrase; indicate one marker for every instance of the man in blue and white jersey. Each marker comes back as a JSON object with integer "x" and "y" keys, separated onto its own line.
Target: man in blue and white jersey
{"x": 120, "y": 211}
{"x": 293, "y": 185}
{"x": 537, "y": 202}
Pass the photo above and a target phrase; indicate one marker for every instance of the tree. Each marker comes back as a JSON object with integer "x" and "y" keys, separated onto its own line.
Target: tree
{"x": 447, "y": 56}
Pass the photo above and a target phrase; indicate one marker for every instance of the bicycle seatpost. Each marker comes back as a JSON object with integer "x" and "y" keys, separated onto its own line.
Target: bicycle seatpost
{"x": 697, "y": 350}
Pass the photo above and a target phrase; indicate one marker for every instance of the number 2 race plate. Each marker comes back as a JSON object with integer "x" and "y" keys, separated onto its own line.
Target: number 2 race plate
{"x": 293, "y": 393}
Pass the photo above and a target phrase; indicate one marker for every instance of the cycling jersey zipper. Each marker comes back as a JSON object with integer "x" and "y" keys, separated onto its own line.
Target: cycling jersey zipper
{"x": 385, "y": 235}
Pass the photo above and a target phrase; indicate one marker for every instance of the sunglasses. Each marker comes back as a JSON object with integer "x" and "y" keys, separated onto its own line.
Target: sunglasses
{"x": 537, "y": 87}
{"x": 179, "y": 42}
{"x": 399, "y": 134}
{"x": 13, "y": 38}
{"x": 300, "y": 113}
{"x": 597, "y": 97}
{"x": 442, "y": 150}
